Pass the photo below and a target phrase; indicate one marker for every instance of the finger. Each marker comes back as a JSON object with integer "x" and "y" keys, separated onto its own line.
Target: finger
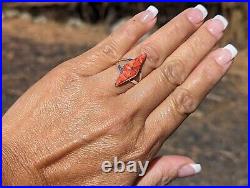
{"x": 185, "y": 99}
{"x": 159, "y": 45}
{"x": 164, "y": 169}
{"x": 162, "y": 81}
{"x": 118, "y": 43}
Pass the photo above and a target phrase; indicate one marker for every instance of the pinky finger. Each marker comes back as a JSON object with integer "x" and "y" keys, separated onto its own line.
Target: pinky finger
{"x": 185, "y": 99}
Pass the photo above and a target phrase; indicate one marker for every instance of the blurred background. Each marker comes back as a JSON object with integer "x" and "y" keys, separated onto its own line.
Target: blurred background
{"x": 39, "y": 36}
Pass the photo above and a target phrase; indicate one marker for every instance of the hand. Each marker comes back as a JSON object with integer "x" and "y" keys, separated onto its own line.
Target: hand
{"x": 62, "y": 129}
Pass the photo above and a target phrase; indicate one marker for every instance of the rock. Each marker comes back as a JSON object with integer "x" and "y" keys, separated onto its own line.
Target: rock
{"x": 214, "y": 97}
{"x": 198, "y": 114}
{"x": 40, "y": 19}
{"x": 75, "y": 22}
{"x": 25, "y": 16}
{"x": 11, "y": 13}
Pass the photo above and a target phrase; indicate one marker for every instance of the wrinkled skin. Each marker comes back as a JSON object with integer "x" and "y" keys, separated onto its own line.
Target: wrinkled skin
{"x": 63, "y": 127}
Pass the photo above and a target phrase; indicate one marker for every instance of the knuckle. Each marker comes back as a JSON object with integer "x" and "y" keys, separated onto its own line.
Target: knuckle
{"x": 65, "y": 78}
{"x": 131, "y": 30}
{"x": 181, "y": 27}
{"x": 193, "y": 52}
{"x": 173, "y": 71}
{"x": 178, "y": 30}
{"x": 183, "y": 101}
{"x": 214, "y": 68}
{"x": 153, "y": 55}
{"x": 178, "y": 27}
{"x": 111, "y": 50}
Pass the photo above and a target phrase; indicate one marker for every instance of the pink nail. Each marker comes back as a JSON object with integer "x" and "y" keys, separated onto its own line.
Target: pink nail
{"x": 197, "y": 14}
{"x": 217, "y": 25}
{"x": 223, "y": 56}
{"x": 189, "y": 170}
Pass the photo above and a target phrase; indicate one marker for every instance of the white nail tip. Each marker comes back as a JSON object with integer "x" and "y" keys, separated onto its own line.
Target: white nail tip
{"x": 153, "y": 10}
{"x": 232, "y": 50}
{"x": 196, "y": 167}
{"x": 202, "y": 9}
{"x": 222, "y": 19}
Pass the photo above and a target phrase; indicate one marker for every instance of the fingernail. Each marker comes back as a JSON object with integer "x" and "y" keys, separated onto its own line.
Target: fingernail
{"x": 149, "y": 14}
{"x": 223, "y": 56}
{"x": 197, "y": 14}
{"x": 189, "y": 170}
{"x": 217, "y": 25}
{"x": 222, "y": 19}
{"x": 233, "y": 50}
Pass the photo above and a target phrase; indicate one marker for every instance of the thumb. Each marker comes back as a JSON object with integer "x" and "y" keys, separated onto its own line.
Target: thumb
{"x": 166, "y": 168}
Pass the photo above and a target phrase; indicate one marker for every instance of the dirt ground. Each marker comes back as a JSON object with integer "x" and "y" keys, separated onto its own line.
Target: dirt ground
{"x": 215, "y": 135}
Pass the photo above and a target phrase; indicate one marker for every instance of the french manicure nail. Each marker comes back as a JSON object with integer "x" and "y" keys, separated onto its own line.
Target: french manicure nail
{"x": 217, "y": 25}
{"x": 223, "y": 56}
{"x": 222, "y": 19}
{"x": 189, "y": 170}
{"x": 149, "y": 14}
{"x": 197, "y": 14}
{"x": 233, "y": 50}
